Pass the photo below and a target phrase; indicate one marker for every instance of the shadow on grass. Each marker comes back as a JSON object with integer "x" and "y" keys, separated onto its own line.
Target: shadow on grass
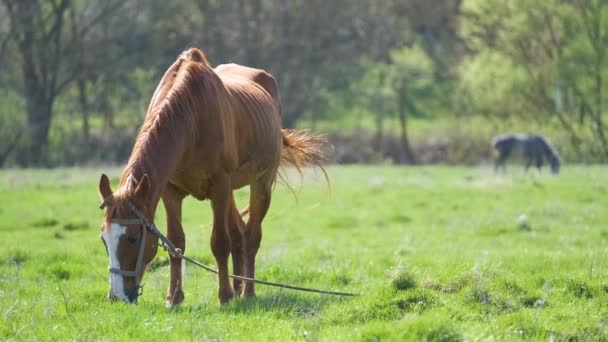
{"x": 283, "y": 303}
{"x": 15, "y": 257}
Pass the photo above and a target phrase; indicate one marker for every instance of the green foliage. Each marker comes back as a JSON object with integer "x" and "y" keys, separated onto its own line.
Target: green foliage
{"x": 529, "y": 65}
{"x": 541, "y": 61}
{"x": 471, "y": 273}
{"x": 381, "y": 84}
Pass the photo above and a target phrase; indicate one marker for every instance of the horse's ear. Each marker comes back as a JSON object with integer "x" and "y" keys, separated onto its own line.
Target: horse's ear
{"x": 104, "y": 187}
{"x": 143, "y": 187}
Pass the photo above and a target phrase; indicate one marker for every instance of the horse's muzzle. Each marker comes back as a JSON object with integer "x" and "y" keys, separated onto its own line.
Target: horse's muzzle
{"x": 133, "y": 293}
{"x": 131, "y": 296}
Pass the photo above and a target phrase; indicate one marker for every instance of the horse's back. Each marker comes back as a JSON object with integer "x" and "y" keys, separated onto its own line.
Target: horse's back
{"x": 255, "y": 105}
{"x": 253, "y": 96}
{"x": 230, "y": 72}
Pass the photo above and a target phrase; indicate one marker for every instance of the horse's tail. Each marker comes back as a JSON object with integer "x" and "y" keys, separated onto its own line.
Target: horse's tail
{"x": 495, "y": 140}
{"x": 300, "y": 149}
{"x": 303, "y": 149}
{"x": 503, "y": 141}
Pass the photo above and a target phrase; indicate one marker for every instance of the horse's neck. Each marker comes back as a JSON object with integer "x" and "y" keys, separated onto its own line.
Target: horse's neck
{"x": 135, "y": 174}
{"x": 156, "y": 156}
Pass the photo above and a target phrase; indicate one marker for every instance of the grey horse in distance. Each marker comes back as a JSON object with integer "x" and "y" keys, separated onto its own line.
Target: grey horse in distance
{"x": 535, "y": 149}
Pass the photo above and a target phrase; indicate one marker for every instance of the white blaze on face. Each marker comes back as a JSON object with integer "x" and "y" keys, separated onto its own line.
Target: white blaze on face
{"x": 117, "y": 284}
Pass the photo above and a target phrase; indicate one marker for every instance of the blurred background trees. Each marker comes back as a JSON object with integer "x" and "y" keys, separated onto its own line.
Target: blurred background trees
{"x": 545, "y": 60}
{"x": 401, "y": 80}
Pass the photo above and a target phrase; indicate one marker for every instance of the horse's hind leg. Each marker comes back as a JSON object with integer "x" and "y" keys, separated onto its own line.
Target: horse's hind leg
{"x": 527, "y": 163}
{"x": 220, "y": 238}
{"x": 259, "y": 202}
{"x": 237, "y": 245}
{"x": 539, "y": 162}
{"x": 498, "y": 164}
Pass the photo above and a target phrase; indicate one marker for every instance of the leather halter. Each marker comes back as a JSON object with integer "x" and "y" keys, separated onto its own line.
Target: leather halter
{"x": 146, "y": 227}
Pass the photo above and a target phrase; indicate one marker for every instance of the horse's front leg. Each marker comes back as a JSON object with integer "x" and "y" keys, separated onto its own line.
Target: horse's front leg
{"x": 220, "y": 239}
{"x": 236, "y": 228}
{"x": 172, "y": 199}
{"x": 527, "y": 163}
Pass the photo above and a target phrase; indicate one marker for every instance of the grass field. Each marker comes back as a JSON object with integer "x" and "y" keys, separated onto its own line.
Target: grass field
{"x": 437, "y": 254}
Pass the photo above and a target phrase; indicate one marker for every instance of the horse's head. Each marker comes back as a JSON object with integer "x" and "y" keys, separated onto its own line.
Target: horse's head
{"x": 554, "y": 162}
{"x": 124, "y": 232}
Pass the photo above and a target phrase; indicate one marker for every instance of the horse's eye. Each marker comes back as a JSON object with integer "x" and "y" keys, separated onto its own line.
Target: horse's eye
{"x": 132, "y": 239}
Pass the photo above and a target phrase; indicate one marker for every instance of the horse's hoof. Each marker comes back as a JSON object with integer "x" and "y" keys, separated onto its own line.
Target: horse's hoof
{"x": 248, "y": 291}
{"x": 175, "y": 299}
{"x": 226, "y": 295}
{"x": 248, "y": 294}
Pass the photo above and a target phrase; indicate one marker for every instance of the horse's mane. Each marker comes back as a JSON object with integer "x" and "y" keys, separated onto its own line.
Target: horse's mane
{"x": 182, "y": 85}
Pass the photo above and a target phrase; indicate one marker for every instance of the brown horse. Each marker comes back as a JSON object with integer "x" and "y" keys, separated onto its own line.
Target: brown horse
{"x": 207, "y": 132}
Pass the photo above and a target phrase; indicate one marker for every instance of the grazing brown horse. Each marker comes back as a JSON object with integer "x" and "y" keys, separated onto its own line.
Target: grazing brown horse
{"x": 207, "y": 132}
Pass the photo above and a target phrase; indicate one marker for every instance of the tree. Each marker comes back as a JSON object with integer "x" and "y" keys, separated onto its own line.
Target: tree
{"x": 552, "y": 56}
{"x": 45, "y": 40}
{"x": 85, "y": 58}
{"x": 412, "y": 74}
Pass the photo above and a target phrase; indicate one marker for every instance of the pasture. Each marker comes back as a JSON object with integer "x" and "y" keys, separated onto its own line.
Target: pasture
{"x": 436, "y": 253}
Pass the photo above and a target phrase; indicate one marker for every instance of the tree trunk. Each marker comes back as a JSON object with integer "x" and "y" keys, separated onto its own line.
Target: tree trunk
{"x": 406, "y": 150}
{"x": 359, "y": 122}
{"x": 379, "y": 115}
{"x": 38, "y": 124}
{"x": 84, "y": 110}
{"x": 599, "y": 123}
{"x": 106, "y": 109}
{"x": 379, "y": 122}
{"x": 82, "y": 88}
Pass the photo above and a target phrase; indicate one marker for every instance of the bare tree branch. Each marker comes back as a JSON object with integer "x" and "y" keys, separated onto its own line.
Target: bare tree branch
{"x": 110, "y": 8}
{"x": 57, "y": 48}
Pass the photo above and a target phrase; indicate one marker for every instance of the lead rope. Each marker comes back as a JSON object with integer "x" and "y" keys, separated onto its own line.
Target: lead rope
{"x": 177, "y": 253}
{"x": 258, "y": 281}
{"x": 168, "y": 246}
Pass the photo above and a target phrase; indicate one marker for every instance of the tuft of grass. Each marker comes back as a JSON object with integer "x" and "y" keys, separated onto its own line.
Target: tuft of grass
{"x": 454, "y": 285}
{"x": 432, "y": 328}
{"x": 402, "y": 278}
{"x": 579, "y": 289}
{"x": 16, "y": 256}
{"x": 416, "y": 301}
{"x": 44, "y": 222}
{"x": 59, "y": 272}
{"x": 533, "y": 302}
{"x": 72, "y": 226}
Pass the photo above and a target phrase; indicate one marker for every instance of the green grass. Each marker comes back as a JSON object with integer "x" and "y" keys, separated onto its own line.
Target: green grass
{"x": 437, "y": 254}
